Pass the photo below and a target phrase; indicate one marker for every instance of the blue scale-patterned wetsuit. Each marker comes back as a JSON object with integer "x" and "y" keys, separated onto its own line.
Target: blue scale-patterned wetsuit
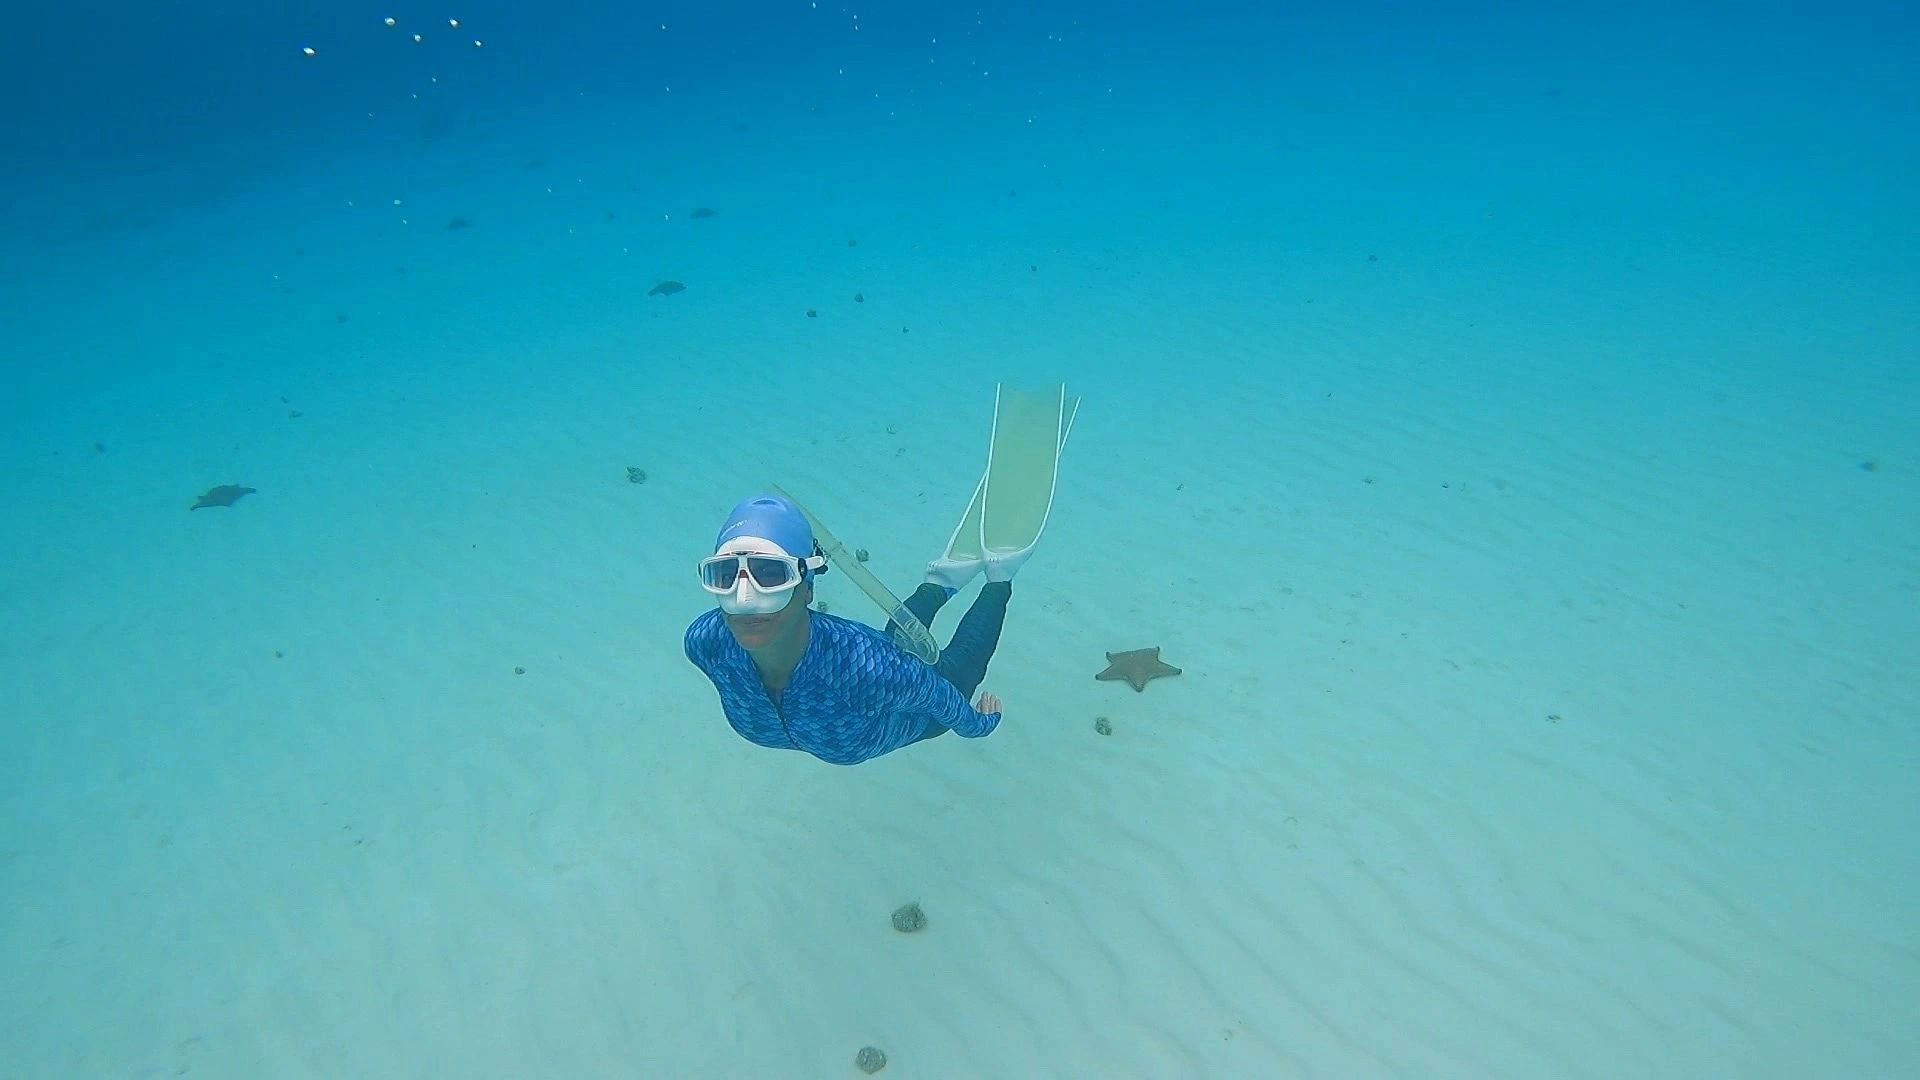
{"x": 856, "y": 695}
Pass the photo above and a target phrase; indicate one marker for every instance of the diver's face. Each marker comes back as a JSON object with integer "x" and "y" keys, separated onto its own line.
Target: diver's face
{"x": 755, "y": 632}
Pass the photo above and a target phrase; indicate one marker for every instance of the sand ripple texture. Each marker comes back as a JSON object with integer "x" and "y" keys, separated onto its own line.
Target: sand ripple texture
{"x": 1520, "y": 749}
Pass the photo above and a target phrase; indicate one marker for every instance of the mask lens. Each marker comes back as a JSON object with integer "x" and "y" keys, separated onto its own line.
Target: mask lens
{"x": 720, "y": 574}
{"x": 770, "y": 573}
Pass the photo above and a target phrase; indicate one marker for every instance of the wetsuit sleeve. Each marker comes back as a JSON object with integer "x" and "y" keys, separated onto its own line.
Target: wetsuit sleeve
{"x": 914, "y": 688}
{"x": 702, "y": 643}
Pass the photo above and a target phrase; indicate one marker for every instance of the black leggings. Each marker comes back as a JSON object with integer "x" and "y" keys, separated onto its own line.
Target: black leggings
{"x": 964, "y": 661}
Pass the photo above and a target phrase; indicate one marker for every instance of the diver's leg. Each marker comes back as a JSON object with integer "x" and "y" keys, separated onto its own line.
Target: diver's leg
{"x": 964, "y": 661}
{"x": 925, "y": 603}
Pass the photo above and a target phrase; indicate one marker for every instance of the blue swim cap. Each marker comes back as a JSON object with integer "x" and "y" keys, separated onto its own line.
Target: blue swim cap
{"x": 772, "y": 518}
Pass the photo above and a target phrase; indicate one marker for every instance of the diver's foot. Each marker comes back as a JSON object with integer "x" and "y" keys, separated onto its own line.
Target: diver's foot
{"x": 1002, "y": 565}
{"x": 953, "y": 574}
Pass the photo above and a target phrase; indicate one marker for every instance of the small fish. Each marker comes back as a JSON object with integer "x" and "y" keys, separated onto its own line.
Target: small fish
{"x": 455, "y": 224}
{"x": 701, "y": 212}
{"x": 224, "y": 495}
{"x": 666, "y": 288}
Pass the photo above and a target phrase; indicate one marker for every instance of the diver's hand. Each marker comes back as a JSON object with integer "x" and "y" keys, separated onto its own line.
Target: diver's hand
{"x": 988, "y": 704}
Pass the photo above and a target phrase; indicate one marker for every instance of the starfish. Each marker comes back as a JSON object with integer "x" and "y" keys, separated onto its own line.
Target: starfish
{"x": 1136, "y": 668}
{"x": 224, "y": 495}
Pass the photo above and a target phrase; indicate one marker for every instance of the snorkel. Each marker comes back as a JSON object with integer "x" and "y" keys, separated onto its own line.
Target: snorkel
{"x": 906, "y": 628}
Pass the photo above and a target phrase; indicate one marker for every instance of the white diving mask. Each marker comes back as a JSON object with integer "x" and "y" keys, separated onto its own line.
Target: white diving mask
{"x": 755, "y": 576}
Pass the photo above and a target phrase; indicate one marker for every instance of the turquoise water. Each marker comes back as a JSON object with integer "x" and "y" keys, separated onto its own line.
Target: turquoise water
{"x": 1503, "y": 419}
